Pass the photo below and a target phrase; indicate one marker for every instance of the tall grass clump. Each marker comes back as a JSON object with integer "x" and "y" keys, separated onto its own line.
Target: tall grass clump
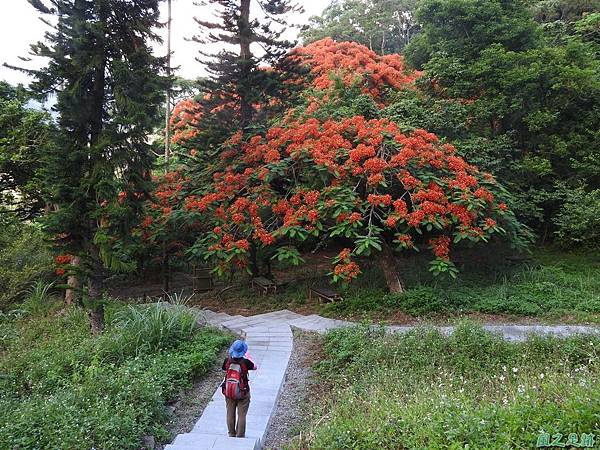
{"x": 142, "y": 329}
{"x": 38, "y": 297}
{"x": 471, "y": 390}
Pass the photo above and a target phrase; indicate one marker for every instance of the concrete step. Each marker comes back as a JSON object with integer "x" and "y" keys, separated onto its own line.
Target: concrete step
{"x": 218, "y": 316}
{"x": 270, "y": 319}
{"x": 318, "y": 323}
{"x": 207, "y": 312}
{"x": 205, "y": 316}
{"x": 222, "y": 317}
{"x": 306, "y": 322}
{"x": 240, "y": 323}
{"x": 514, "y": 332}
{"x": 199, "y": 441}
{"x": 283, "y": 315}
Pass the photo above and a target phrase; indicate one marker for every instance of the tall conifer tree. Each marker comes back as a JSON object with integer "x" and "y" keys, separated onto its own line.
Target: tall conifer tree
{"x": 108, "y": 88}
{"x": 237, "y": 85}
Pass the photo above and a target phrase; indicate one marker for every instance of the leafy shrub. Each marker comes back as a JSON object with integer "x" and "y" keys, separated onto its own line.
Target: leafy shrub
{"x": 419, "y": 301}
{"x": 578, "y": 220}
{"x": 24, "y": 257}
{"x": 343, "y": 347}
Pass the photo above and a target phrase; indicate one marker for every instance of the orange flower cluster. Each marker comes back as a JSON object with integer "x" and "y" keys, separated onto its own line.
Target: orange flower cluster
{"x": 184, "y": 120}
{"x": 351, "y": 61}
{"x": 405, "y": 241}
{"x": 489, "y": 223}
{"x": 63, "y": 259}
{"x": 379, "y": 200}
{"x": 346, "y": 269}
{"x": 441, "y": 247}
{"x": 350, "y": 218}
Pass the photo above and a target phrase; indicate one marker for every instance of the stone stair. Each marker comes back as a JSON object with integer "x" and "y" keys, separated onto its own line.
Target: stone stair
{"x": 270, "y": 342}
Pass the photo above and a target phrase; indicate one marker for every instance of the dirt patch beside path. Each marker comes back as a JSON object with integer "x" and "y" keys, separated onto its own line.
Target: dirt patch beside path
{"x": 191, "y": 403}
{"x": 294, "y": 406}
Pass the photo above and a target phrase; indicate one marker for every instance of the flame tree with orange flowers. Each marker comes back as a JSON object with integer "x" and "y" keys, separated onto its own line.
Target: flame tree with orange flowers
{"x": 335, "y": 168}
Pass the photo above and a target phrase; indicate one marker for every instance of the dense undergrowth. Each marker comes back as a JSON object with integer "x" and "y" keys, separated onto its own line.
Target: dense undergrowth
{"x": 551, "y": 286}
{"x": 471, "y": 390}
{"x": 62, "y": 389}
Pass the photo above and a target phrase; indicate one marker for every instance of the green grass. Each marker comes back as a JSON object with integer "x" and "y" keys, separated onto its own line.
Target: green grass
{"x": 554, "y": 286}
{"x": 62, "y": 389}
{"x": 472, "y": 390}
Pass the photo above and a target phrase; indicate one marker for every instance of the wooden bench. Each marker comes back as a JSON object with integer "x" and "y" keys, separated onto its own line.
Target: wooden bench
{"x": 264, "y": 285}
{"x": 324, "y": 294}
{"x": 519, "y": 259}
{"x": 202, "y": 279}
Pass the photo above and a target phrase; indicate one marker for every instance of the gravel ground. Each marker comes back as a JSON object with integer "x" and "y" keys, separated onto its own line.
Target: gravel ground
{"x": 187, "y": 410}
{"x": 292, "y": 411}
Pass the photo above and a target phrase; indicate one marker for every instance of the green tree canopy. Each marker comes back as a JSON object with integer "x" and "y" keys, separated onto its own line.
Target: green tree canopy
{"x": 464, "y": 28}
{"x": 25, "y": 132}
{"x": 535, "y": 99}
{"x": 385, "y": 26}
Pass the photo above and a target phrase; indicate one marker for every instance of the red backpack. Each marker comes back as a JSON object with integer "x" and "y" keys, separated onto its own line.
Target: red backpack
{"x": 235, "y": 385}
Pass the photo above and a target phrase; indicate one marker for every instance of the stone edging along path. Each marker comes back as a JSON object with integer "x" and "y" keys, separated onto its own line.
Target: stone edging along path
{"x": 270, "y": 342}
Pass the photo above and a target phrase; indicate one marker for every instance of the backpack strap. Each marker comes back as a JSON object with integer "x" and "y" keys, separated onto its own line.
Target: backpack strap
{"x": 244, "y": 376}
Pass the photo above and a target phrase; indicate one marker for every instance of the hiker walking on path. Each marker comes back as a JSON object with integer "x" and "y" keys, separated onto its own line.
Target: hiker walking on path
{"x": 236, "y": 388}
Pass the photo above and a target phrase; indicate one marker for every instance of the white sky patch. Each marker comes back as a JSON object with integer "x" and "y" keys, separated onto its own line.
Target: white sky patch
{"x": 20, "y": 27}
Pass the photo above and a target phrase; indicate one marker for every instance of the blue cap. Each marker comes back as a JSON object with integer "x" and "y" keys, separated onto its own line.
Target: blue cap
{"x": 238, "y": 349}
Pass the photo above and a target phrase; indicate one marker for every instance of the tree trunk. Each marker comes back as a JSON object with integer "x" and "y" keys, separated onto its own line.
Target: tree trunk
{"x": 95, "y": 285}
{"x": 98, "y": 100}
{"x": 166, "y": 268}
{"x": 254, "y": 261}
{"x": 269, "y": 269}
{"x": 96, "y": 315}
{"x": 168, "y": 94}
{"x": 245, "y": 62}
{"x": 390, "y": 271}
{"x": 72, "y": 294}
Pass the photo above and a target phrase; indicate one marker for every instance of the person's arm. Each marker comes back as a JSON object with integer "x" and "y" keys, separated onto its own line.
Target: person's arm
{"x": 224, "y": 366}
{"x": 249, "y": 364}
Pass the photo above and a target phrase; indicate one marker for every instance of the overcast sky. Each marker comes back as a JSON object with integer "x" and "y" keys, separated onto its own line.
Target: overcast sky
{"x": 20, "y": 26}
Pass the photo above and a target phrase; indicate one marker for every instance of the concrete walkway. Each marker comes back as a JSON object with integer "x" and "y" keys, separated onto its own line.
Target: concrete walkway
{"x": 270, "y": 342}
